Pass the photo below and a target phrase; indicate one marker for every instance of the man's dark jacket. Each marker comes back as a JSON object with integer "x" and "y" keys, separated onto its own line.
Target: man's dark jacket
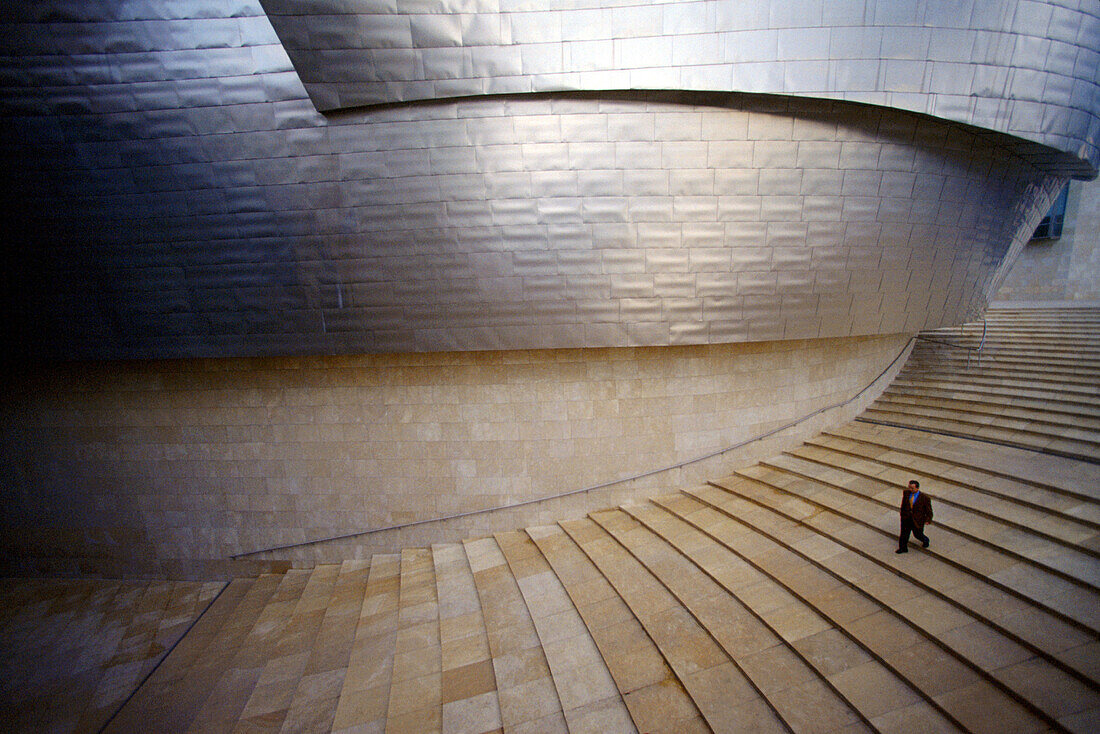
{"x": 920, "y": 511}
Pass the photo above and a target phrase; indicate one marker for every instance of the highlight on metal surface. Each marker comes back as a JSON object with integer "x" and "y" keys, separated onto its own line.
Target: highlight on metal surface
{"x": 483, "y": 175}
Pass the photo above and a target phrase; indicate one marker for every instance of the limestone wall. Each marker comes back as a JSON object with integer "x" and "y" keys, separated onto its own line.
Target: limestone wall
{"x": 129, "y": 466}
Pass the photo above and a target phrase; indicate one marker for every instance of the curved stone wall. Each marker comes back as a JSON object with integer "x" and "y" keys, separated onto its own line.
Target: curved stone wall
{"x": 166, "y": 465}
{"x": 1023, "y": 68}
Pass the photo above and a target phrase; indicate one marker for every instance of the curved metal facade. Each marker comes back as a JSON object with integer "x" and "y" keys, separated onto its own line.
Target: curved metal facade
{"x": 1019, "y": 67}
{"x": 183, "y": 197}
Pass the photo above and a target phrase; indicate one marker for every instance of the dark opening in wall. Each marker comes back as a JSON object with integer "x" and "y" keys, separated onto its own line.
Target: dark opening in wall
{"x": 1051, "y": 226}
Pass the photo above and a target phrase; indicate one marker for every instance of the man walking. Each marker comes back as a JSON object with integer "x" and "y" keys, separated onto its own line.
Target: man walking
{"x": 916, "y": 510}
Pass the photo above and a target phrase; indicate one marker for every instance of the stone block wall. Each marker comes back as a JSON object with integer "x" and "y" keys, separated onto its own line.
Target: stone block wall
{"x": 171, "y": 466}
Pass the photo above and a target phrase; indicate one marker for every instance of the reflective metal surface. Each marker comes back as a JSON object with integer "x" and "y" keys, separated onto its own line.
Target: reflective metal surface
{"x": 1020, "y": 67}
{"x": 179, "y": 195}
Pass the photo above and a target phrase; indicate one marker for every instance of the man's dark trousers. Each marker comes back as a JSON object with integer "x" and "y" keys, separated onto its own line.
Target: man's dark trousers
{"x": 907, "y": 527}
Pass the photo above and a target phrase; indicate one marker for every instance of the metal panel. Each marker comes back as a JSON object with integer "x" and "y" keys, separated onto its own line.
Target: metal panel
{"x": 925, "y": 57}
{"x": 183, "y": 197}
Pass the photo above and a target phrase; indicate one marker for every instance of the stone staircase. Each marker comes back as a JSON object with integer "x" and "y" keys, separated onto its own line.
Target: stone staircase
{"x": 767, "y": 600}
{"x": 1035, "y": 384}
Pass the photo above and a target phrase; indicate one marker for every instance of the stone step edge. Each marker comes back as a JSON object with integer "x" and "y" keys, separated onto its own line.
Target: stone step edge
{"x": 948, "y": 502}
{"x": 947, "y": 527}
{"x": 966, "y": 424}
{"x": 815, "y": 443}
{"x": 202, "y": 631}
{"x": 921, "y": 393}
{"x": 598, "y": 634}
{"x": 753, "y": 683}
{"x": 635, "y": 513}
{"x": 1018, "y": 697}
{"x": 972, "y": 411}
{"x": 1024, "y": 377}
{"x": 937, "y": 369}
{"x": 1064, "y": 491}
{"x": 288, "y": 582}
{"x": 967, "y": 416}
{"x": 228, "y": 651}
{"x": 949, "y": 561}
{"x": 1062, "y": 358}
{"x": 943, "y": 431}
{"x": 508, "y": 550}
{"x": 839, "y": 626}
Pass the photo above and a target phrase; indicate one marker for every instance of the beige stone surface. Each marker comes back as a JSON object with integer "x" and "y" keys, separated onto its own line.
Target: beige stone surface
{"x": 179, "y": 461}
{"x": 72, "y": 651}
{"x": 364, "y": 698}
{"x": 527, "y": 696}
{"x": 770, "y": 599}
{"x": 584, "y": 685}
{"x": 416, "y": 688}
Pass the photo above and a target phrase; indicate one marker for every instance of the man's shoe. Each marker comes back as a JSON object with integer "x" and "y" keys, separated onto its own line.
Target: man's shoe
{"x": 902, "y": 550}
{"x": 926, "y": 543}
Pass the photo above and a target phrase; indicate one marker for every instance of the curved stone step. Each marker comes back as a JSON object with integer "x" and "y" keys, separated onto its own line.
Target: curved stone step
{"x": 819, "y": 635}
{"x": 1050, "y": 368}
{"x": 148, "y": 705}
{"x": 527, "y": 696}
{"x": 655, "y": 697}
{"x": 75, "y": 650}
{"x": 131, "y": 658}
{"x": 1073, "y": 602}
{"x": 1024, "y": 335}
{"x": 1041, "y": 370}
{"x": 980, "y": 417}
{"x": 967, "y": 387}
{"x": 190, "y": 694}
{"x": 315, "y": 698}
{"x": 1010, "y": 426}
{"x": 1058, "y": 339}
{"x": 468, "y": 684}
{"x": 1060, "y": 411}
{"x": 1007, "y": 433}
{"x": 1045, "y": 513}
{"x": 51, "y": 624}
{"x": 415, "y": 701}
{"x": 804, "y": 696}
{"x": 364, "y": 696}
{"x": 1022, "y": 325}
{"x": 590, "y": 700}
{"x": 1027, "y": 340}
{"x": 240, "y": 702}
{"x": 275, "y": 667}
{"x": 949, "y": 472}
{"x": 1049, "y": 693}
{"x": 1013, "y": 384}
{"x": 1018, "y": 538}
{"x": 1024, "y": 340}
{"x": 1030, "y": 624}
{"x": 1067, "y": 350}
{"x": 690, "y": 651}
{"x": 992, "y": 374}
{"x": 903, "y": 679}
{"x": 1019, "y": 331}
{"x": 1069, "y": 477}
{"x": 980, "y": 412}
